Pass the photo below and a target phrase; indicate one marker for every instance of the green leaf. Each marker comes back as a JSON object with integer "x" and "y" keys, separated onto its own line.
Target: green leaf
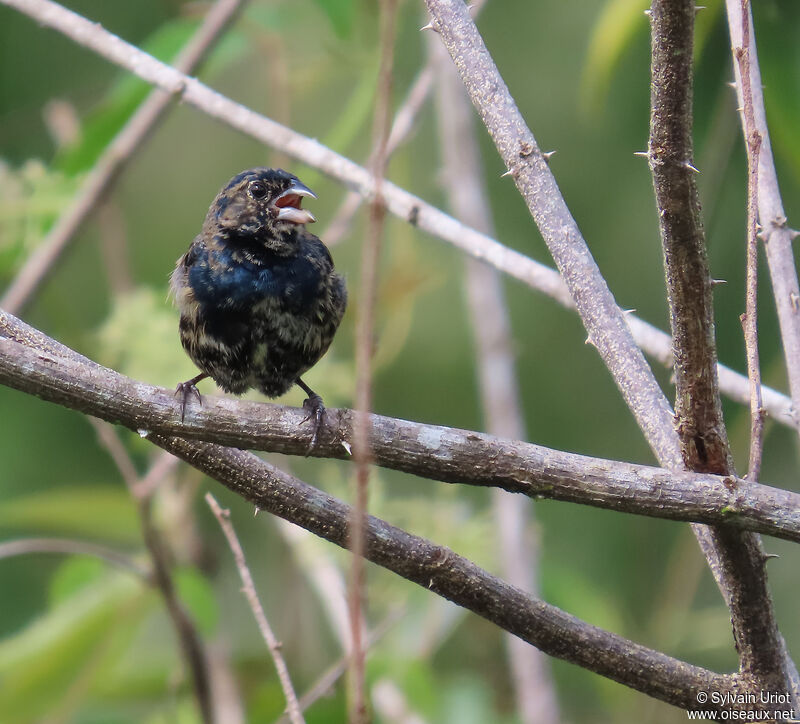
{"x": 340, "y": 13}
{"x": 39, "y": 665}
{"x": 124, "y": 97}
{"x": 75, "y": 573}
{"x": 182, "y": 712}
{"x": 350, "y": 120}
{"x": 197, "y": 595}
{"x": 89, "y": 512}
{"x": 618, "y": 23}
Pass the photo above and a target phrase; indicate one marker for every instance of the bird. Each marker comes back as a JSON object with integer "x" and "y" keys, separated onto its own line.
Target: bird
{"x": 259, "y": 298}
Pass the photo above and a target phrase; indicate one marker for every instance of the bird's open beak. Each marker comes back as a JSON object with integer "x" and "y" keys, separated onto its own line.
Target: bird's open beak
{"x": 288, "y": 204}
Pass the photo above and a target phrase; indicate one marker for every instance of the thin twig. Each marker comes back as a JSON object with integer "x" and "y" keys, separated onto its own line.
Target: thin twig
{"x": 191, "y": 644}
{"x": 330, "y": 676}
{"x": 750, "y": 317}
{"x": 775, "y": 231}
{"x": 249, "y": 590}
{"x": 188, "y": 635}
{"x": 325, "y": 578}
{"x": 704, "y": 444}
{"x": 398, "y": 201}
{"x": 106, "y": 170}
{"x": 33, "y": 363}
{"x": 25, "y": 546}
{"x": 467, "y": 194}
{"x": 402, "y": 126}
{"x": 365, "y": 328}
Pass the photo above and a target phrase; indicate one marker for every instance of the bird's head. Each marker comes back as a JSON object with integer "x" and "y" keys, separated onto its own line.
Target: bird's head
{"x": 262, "y": 204}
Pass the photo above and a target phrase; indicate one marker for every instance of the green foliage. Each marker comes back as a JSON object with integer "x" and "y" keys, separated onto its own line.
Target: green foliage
{"x": 619, "y": 23}
{"x": 340, "y": 13}
{"x": 87, "y": 512}
{"x": 75, "y": 573}
{"x": 120, "y": 103}
{"x": 197, "y": 595}
{"x": 66, "y": 648}
{"x": 31, "y": 198}
{"x": 139, "y": 339}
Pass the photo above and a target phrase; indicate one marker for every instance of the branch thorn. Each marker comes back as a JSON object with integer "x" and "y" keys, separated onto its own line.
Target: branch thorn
{"x": 642, "y": 154}
{"x": 429, "y": 26}
{"x": 548, "y": 155}
{"x": 688, "y": 164}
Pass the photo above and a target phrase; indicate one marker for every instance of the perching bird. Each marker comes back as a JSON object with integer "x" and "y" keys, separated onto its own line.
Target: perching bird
{"x": 259, "y": 298}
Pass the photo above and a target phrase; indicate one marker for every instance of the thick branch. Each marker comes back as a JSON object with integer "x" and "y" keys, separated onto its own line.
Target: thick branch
{"x": 33, "y": 363}
{"x": 398, "y": 201}
{"x": 704, "y": 443}
{"x": 447, "y": 574}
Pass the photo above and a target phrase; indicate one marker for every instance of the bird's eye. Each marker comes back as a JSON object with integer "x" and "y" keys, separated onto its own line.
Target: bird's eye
{"x": 258, "y": 190}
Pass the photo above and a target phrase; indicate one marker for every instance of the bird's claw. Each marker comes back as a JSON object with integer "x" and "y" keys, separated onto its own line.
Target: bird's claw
{"x": 315, "y": 411}
{"x": 186, "y": 390}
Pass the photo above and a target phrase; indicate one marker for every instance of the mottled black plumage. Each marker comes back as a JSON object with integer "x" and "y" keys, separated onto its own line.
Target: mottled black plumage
{"x": 258, "y": 295}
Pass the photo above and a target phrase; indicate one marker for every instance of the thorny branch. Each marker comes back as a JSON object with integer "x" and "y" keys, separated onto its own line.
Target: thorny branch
{"x": 398, "y": 201}
{"x": 699, "y": 422}
{"x": 735, "y": 560}
{"x": 442, "y": 571}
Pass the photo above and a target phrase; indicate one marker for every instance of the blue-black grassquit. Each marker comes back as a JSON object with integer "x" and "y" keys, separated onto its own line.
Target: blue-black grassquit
{"x": 258, "y": 295}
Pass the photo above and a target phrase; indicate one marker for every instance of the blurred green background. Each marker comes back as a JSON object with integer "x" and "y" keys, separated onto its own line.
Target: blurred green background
{"x": 82, "y": 642}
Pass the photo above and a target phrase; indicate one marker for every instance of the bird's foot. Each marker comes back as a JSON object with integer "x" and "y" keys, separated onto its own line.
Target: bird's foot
{"x": 186, "y": 390}
{"x": 315, "y": 411}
